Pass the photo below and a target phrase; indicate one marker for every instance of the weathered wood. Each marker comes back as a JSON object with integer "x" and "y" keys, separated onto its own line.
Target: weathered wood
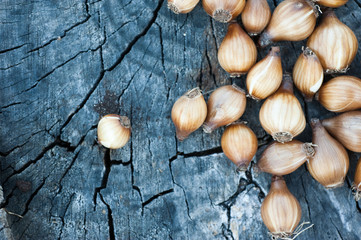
{"x": 64, "y": 64}
{"x": 5, "y": 231}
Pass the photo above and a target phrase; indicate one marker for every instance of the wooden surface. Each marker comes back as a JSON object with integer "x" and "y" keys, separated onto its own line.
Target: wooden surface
{"x": 64, "y": 64}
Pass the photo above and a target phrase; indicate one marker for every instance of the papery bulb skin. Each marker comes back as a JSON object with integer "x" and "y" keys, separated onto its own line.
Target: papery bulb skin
{"x": 281, "y": 115}
{"x": 224, "y": 10}
{"x": 189, "y": 113}
{"x": 237, "y": 53}
{"x": 341, "y": 94}
{"x": 334, "y": 43}
{"x": 357, "y": 181}
{"x": 239, "y": 144}
{"x": 292, "y": 20}
{"x": 330, "y": 163}
{"x": 225, "y": 105}
{"x": 255, "y": 16}
{"x": 113, "y": 131}
{"x": 332, "y": 3}
{"x": 265, "y": 77}
{"x": 308, "y": 74}
{"x": 346, "y": 128}
{"x": 182, "y": 6}
{"x": 281, "y": 212}
{"x": 284, "y": 158}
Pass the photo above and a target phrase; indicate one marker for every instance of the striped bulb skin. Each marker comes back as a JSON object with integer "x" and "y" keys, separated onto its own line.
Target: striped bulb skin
{"x": 330, "y": 163}
{"x": 334, "y": 43}
{"x": 281, "y": 212}
{"x": 265, "y": 77}
{"x": 308, "y": 74}
{"x": 281, "y": 115}
{"x": 237, "y": 52}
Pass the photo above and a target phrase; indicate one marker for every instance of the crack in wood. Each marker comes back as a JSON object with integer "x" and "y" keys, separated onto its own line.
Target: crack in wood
{"x": 137, "y": 37}
{"x": 358, "y": 3}
{"x": 13, "y": 48}
{"x": 162, "y": 59}
{"x": 104, "y": 182}
{"x": 59, "y": 66}
{"x": 110, "y": 218}
{"x": 56, "y": 142}
{"x": 127, "y": 22}
{"x": 210, "y": 68}
{"x": 26, "y": 228}
{"x": 85, "y": 227}
{"x": 338, "y": 231}
{"x": 182, "y": 25}
{"x": 145, "y": 203}
{"x": 86, "y": 7}
{"x": 307, "y": 203}
{"x": 32, "y": 196}
{"x": 261, "y": 194}
{"x": 119, "y": 162}
{"x": 213, "y": 33}
{"x": 5, "y": 154}
{"x": 66, "y": 172}
{"x": 208, "y": 152}
{"x": 204, "y": 153}
{"x": 11, "y": 66}
{"x": 62, "y": 217}
{"x": 65, "y": 31}
{"x": 128, "y": 84}
{"x": 242, "y": 185}
{"x": 227, "y": 204}
{"x": 134, "y": 187}
{"x": 226, "y": 232}
{"x": 184, "y": 192}
{"x": 88, "y": 95}
{"x": 199, "y": 78}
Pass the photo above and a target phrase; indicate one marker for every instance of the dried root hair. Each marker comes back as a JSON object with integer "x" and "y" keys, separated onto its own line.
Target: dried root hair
{"x": 356, "y": 191}
{"x": 291, "y": 236}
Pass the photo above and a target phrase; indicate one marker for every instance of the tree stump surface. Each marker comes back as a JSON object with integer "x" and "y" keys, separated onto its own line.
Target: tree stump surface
{"x": 64, "y": 64}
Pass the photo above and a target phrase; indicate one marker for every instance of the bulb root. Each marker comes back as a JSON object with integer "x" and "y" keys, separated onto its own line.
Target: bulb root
{"x": 291, "y": 236}
{"x": 308, "y": 149}
{"x": 264, "y": 40}
{"x": 124, "y": 121}
{"x": 252, "y": 97}
{"x": 333, "y": 71}
{"x": 256, "y": 169}
{"x": 236, "y": 74}
{"x": 357, "y": 191}
{"x": 208, "y": 128}
{"x": 180, "y": 135}
{"x": 173, "y": 8}
{"x": 222, "y": 15}
{"x": 195, "y": 92}
{"x": 242, "y": 167}
{"x": 283, "y": 137}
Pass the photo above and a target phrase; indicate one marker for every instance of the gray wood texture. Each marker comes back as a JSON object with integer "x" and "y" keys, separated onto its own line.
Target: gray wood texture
{"x": 64, "y": 64}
